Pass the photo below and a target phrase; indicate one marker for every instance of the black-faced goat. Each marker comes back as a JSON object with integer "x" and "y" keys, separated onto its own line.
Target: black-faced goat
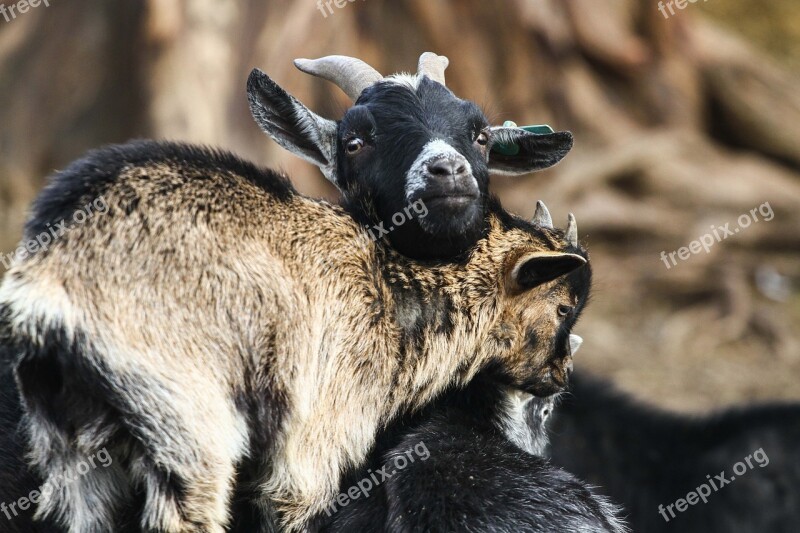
{"x": 646, "y": 459}
{"x": 406, "y": 139}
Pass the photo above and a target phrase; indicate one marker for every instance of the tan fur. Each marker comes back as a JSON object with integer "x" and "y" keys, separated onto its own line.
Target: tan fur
{"x": 201, "y": 290}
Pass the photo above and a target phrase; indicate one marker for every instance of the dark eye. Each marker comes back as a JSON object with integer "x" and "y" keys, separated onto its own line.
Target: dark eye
{"x": 354, "y": 145}
{"x": 564, "y": 310}
{"x": 482, "y": 138}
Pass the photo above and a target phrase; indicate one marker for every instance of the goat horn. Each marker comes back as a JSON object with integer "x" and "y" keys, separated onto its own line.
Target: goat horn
{"x": 433, "y": 66}
{"x": 350, "y": 74}
{"x": 572, "y": 231}
{"x": 541, "y": 217}
{"x": 575, "y": 342}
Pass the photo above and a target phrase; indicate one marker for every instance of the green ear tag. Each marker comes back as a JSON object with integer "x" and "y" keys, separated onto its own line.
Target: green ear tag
{"x": 513, "y": 149}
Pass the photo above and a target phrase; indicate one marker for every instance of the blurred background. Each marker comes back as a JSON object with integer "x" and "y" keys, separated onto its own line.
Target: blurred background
{"x": 681, "y": 121}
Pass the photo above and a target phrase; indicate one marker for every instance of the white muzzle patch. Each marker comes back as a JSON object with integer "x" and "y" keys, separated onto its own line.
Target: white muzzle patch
{"x": 418, "y": 176}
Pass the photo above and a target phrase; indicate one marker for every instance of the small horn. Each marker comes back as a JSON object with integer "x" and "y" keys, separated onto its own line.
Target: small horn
{"x": 575, "y": 342}
{"x": 350, "y": 74}
{"x": 572, "y": 231}
{"x": 541, "y": 217}
{"x": 433, "y": 66}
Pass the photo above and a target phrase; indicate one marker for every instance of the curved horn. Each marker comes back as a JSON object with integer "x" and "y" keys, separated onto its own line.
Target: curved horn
{"x": 350, "y": 74}
{"x": 433, "y": 66}
{"x": 575, "y": 342}
{"x": 572, "y": 231}
{"x": 542, "y": 216}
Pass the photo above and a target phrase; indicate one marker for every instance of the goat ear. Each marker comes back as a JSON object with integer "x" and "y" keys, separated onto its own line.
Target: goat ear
{"x": 531, "y": 151}
{"x": 291, "y": 124}
{"x": 533, "y": 269}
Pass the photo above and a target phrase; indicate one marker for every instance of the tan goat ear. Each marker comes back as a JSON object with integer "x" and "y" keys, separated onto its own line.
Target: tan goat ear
{"x": 535, "y": 268}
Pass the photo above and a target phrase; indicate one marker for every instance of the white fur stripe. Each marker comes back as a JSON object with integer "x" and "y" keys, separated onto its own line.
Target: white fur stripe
{"x": 417, "y": 175}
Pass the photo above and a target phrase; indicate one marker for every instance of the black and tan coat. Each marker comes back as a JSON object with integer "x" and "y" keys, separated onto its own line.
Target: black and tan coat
{"x": 211, "y": 313}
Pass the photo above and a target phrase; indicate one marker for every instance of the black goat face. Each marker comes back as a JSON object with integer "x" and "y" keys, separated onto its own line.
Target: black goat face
{"x": 411, "y": 159}
{"x": 411, "y": 142}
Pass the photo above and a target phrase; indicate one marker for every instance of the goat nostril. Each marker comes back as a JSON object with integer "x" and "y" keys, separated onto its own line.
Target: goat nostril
{"x": 447, "y": 167}
{"x": 441, "y": 167}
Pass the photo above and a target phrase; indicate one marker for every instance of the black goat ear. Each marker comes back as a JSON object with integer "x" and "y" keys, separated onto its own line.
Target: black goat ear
{"x": 533, "y": 269}
{"x": 530, "y": 151}
{"x": 291, "y": 124}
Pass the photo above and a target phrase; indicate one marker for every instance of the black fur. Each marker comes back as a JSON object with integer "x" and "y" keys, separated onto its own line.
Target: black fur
{"x": 473, "y": 480}
{"x": 86, "y": 179}
{"x": 395, "y": 123}
{"x": 644, "y": 458}
{"x": 16, "y": 479}
{"x": 392, "y": 121}
{"x": 535, "y": 150}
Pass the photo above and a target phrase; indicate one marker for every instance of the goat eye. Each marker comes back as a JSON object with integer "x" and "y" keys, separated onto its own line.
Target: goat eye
{"x": 482, "y": 139}
{"x": 353, "y": 146}
{"x": 564, "y": 310}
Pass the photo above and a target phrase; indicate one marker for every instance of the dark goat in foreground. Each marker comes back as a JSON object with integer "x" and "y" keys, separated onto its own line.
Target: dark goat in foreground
{"x": 476, "y": 479}
{"x": 647, "y": 459}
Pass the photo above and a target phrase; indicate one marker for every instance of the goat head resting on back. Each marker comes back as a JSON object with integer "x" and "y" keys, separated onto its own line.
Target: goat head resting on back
{"x": 295, "y": 358}
{"x": 406, "y": 139}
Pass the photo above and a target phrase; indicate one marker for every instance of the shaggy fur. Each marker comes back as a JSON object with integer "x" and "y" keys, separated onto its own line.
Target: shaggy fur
{"x": 212, "y": 315}
{"x": 644, "y": 458}
{"x": 505, "y": 423}
{"x": 16, "y": 479}
{"x": 482, "y": 472}
{"x": 475, "y": 479}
